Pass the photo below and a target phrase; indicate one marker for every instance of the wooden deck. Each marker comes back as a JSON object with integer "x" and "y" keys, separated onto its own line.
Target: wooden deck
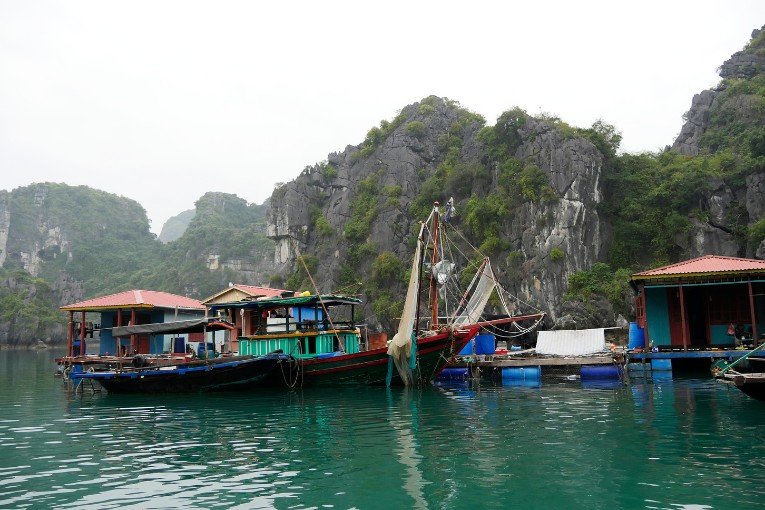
{"x": 537, "y": 361}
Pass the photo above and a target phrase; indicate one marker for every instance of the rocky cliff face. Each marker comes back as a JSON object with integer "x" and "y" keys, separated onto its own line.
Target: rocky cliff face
{"x": 729, "y": 117}
{"x": 406, "y": 158}
{"x": 571, "y": 223}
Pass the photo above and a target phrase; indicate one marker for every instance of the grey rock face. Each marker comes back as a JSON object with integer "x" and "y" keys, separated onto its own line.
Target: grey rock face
{"x": 5, "y": 224}
{"x": 696, "y": 123}
{"x": 744, "y": 64}
{"x": 569, "y": 223}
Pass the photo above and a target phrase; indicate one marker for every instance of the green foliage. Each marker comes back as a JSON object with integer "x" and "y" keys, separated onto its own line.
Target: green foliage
{"x": 426, "y": 109}
{"x": 28, "y": 304}
{"x": 299, "y": 280}
{"x": 600, "y": 280}
{"x": 651, "y": 198}
{"x": 363, "y": 210}
{"x": 556, "y": 254}
{"x": 387, "y": 269}
{"x": 756, "y": 233}
{"x": 376, "y": 136}
{"x": 330, "y": 173}
{"x": 416, "y": 129}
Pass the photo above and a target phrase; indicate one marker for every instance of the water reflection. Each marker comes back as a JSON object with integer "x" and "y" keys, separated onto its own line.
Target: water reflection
{"x": 670, "y": 443}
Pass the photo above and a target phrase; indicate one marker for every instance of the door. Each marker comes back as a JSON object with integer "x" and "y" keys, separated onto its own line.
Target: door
{"x": 675, "y": 319}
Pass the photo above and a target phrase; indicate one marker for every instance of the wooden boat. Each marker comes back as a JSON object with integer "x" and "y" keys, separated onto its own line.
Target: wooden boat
{"x": 226, "y": 373}
{"x": 325, "y": 345}
{"x": 751, "y": 384}
{"x": 170, "y": 373}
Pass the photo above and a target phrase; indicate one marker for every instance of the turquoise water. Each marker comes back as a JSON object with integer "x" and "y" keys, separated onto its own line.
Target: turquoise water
{"x": 676, "y": 444}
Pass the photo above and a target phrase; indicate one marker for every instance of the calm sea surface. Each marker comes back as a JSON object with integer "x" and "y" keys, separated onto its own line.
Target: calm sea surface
{"x": 676, "y": 444}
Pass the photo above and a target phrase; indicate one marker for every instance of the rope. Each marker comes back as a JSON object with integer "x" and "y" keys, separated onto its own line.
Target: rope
{"x": 340, "y": 342}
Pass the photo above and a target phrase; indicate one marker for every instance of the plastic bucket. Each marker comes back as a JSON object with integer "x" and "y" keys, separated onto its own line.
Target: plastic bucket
{"x": 637, "y": 336}
{"x": 485, "y": 344}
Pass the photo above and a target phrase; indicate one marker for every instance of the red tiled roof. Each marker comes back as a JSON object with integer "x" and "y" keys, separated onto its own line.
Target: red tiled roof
{"x": 703, "y": 266}
{"x": 254, "y": 290}
{"x": 251, "y": 290}
{"x": 136, "y": 299}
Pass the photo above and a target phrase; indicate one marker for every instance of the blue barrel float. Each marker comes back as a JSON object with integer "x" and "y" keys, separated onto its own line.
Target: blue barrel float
{"x": 522, "y": 376}
{"x": 637, "y": 336}
{"x": 485, "y": 344}
{"x": 452, "y": 374}
{"x": 599, "y": 372}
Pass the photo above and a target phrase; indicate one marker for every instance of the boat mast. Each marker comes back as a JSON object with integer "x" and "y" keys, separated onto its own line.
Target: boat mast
{"x": 433, "y": 281}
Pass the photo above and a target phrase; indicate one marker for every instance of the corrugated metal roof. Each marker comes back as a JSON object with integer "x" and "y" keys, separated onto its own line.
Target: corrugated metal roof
{"x": 570, "y": 342}
{"x": 705, "y": 265}
{"x": 136, "y": 299}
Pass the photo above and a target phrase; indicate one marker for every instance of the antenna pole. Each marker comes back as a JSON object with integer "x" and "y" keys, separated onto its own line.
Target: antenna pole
{"x": 433, "y": 280}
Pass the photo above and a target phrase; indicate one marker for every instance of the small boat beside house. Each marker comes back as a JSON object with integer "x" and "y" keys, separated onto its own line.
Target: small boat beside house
{"x": 151, "y": 341}
{"x": 751, "y": 381}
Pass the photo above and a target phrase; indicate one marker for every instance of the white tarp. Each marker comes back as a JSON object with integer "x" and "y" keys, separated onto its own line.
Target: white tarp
{"x": 570, "y": 342}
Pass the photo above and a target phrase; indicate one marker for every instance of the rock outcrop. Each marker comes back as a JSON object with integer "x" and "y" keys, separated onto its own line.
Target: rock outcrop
{"x": 405, "y": 158}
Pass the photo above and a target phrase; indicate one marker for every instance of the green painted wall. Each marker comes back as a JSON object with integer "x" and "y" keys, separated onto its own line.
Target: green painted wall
{"x": 658, "y": 316}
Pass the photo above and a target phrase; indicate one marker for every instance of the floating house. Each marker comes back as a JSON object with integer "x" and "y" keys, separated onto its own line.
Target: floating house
{"x": 242, "y": 318}
{"x": 132, "y": 307}
{"x": 703, "y": 303}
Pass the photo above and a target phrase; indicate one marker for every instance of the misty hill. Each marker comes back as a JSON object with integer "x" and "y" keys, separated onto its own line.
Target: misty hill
{"x": 175, "y": 227}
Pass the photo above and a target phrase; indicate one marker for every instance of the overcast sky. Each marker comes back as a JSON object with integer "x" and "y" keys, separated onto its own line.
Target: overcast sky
{"x": 161, "y": 101}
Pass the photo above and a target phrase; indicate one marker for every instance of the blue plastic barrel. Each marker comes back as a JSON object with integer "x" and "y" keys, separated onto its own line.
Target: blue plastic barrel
{"x": 485, "y": 344}
{"x": 521, "y": 373}
{"x": 637, "y": 336}
{"x": 661, "y": 365}
{"x": 208, "y": 352}
{"x": 590, "y": 372}
{"x": 453, "y": 374}
{"x": 468, "y": 349}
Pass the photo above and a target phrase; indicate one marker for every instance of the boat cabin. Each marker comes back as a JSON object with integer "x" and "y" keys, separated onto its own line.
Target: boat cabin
{"x": 130, "y": 308}
{"x": 302, "y": 326}
{"x": 706, "y": 302}
{"x": 241, "y": 318}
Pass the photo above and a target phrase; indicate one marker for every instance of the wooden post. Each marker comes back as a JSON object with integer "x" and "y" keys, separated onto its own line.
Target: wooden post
{"x": 755, "y": 340}
{"x": 646, "y": 340}
{"x": 682, "y": 318}
{"x": 70, "y": 334}
{"x": 132, "y": 337}
{"x": 82, "y": 334}
{"x": 119, "y": 323}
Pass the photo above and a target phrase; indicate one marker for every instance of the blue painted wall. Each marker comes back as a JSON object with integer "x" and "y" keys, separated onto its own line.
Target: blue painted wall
{"x": 658, "y": 316}
{"x": 157, "y": 344}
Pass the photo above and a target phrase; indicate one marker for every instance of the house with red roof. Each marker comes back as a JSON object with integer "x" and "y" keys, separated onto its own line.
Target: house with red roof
{"x": 131, "y": 307}
{"x": 706, "y": 302}
{"x": 242, "y": 319}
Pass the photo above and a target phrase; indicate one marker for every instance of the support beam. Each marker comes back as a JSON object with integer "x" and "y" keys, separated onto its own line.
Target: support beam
{"x": 118, "y": 352}
{"x": 755, "y": 338}
{"x": 682, "y": 318}
{"x": 70, "y": 334}
{"x": 133, "y": 337}
{"x": 82, "y": 334}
